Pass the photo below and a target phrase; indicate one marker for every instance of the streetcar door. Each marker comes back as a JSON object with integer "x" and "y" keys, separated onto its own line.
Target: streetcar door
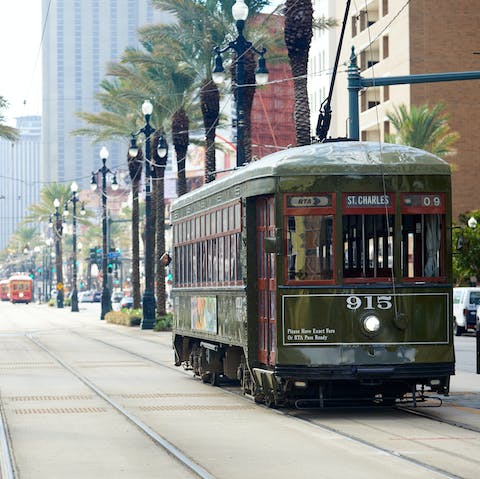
{"x": 266, "y": 282}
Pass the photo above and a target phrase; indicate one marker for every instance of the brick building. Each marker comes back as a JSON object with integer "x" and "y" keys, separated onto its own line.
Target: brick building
{"x": 393, "y": 38}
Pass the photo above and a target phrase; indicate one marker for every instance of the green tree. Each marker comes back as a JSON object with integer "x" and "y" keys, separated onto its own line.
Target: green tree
{"x": 44, "y": 212}
{"x": 6, "y": 132}
{"x": 423, "y": 127}
{"x": 466, "y": 257}
{"x": 202, "y": 24}
{"x": 25, "y": 237}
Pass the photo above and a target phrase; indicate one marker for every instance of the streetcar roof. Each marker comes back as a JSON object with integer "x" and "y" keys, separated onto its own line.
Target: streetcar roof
{"x": 331, "y": 158}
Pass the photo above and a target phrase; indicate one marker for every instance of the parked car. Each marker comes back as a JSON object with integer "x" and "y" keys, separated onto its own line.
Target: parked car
{"x": 85, "y": 297}
{"x": 126, "y": 302}
{"x": 97, "y": 296}
{"x": 465, "y": 307}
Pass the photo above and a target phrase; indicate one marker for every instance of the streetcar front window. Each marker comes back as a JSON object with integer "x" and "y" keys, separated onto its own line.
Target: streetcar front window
{"x": 310, "y": 247}
{"x": 367, "y": 246}
{"x": 422, "y": 246}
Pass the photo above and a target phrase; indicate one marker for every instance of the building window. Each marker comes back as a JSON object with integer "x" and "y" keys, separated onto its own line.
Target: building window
{"x": 386, "y": 129}
{"x": 386, "y": 93}
{"x": 385, "y": 7}
{"x": 385, "y": 46}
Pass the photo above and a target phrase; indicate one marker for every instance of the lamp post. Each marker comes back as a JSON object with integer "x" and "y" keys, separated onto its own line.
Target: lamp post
{"x": 74, "y": 200}
{"x": 148, "y": 302}
{"x": 240, "y": 46}
{"x": 57, "y": 231}
{"x": 472, "y": 224}
{"x": 48, "y": 267}
{"x": 106, "y": 300}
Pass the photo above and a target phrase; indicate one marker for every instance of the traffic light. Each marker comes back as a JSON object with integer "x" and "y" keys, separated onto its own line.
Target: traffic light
{"x": 110, "y": 267}
{"x": 31, "y": 274}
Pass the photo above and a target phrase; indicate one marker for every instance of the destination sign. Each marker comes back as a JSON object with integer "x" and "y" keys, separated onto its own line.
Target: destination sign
{"x": 367, "y": 200}
{"x": 310, "y": 201}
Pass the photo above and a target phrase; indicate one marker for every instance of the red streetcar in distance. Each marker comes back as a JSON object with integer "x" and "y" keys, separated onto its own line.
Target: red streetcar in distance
{"x": 21, "y": 288}
{"x": 4, "y": 290}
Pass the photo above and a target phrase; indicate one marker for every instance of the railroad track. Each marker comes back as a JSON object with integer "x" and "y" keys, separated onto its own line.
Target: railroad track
{"x": 305, "y": 417}
{"x": 321, "y": 421}
{"x": 182, "y": 458}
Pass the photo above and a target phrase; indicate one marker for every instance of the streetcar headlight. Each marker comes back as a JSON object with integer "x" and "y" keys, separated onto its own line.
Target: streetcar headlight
{"x": 300, "y": 384}
{"x": 371, "y": 324}
{"x": 20, "y": 295}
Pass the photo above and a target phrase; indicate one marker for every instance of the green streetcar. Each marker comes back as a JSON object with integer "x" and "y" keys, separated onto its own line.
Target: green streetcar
{"x": 317, "y": 274}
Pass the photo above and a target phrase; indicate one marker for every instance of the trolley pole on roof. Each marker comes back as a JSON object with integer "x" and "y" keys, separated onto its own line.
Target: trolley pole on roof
{"x": 356, "y": 83}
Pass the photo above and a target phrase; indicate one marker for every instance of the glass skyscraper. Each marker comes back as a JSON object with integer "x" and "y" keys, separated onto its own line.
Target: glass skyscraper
{"x": 81, "y": 37}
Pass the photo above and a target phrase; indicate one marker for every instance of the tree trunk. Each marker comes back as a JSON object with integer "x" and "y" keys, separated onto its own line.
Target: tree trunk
{"x": 298, "y": 36}
{"x": 180, "y": 134}
{"x": 210, "y": 104}
{"x": 136, "y": 294}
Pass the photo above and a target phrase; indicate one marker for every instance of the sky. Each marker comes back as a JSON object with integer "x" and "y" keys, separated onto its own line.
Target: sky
{"x": 20, "y": 56}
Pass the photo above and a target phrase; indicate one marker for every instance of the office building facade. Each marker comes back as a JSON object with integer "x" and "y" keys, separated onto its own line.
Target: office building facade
{"x": 81, "y": 37}
{"x": 19, "y": 176}
{"x": 397, "y": 38}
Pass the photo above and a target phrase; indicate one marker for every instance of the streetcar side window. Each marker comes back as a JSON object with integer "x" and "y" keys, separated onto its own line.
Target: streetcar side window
{"x": 310, "y": 247}
{"x": 367, "y": 246}
{"x": 206, "y": 248}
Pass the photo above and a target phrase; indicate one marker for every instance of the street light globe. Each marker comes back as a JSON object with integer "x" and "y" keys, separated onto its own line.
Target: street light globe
{"x": 56, "y": 202}
{"x": 147, "y": 107}
{"x": 103, "y": 153}
{"x": 472, "y": 223}
{"x": 74, "y": 187}
{"x": 240, "y": 10}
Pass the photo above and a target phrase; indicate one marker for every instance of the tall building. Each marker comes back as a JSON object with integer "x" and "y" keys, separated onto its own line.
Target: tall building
{"x": 273, "y": 104}
{"x": 19, "y": 176}
{"x": 81, "y": 37}
{"x": 396, "y": 38}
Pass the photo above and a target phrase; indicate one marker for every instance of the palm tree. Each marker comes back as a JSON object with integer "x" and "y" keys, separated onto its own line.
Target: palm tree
{"x": 201, "y": 25}
{"x": 298, "y": 36}
{"x": 7, "y": 132}
{"x": 176, "y": 77}
{"x": 160, "y": 229}
{"x": 44, "y": 211}
{"x": 423, "y": 127}
{"x": 120, "y": 97}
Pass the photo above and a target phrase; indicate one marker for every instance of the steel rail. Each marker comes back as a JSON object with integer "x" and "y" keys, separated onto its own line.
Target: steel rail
{"x": 353, "y": 438}
{"x": 168, "y": 446}
{"x": 390, "y": 452}
{"x": 7, "y": 469}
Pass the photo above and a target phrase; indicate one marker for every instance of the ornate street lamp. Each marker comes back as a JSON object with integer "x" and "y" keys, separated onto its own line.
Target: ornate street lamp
{"x": 106, "y": 299}
{"x": 148, "y": 302}
{"x": 240, "y": 46}
{"x": 74, "y": 200}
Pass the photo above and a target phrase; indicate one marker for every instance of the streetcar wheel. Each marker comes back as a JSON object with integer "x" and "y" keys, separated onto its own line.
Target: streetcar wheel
{"x": 270, "y": 400}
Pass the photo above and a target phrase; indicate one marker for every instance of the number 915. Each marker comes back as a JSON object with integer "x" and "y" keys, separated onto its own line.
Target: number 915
{"x": 369, "y": 302}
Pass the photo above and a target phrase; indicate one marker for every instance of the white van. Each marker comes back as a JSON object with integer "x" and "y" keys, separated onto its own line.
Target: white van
{"x": 465, "y": 302}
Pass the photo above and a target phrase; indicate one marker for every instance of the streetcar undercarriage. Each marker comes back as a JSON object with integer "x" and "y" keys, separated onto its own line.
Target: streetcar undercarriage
{"x": 304, "y": 387}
